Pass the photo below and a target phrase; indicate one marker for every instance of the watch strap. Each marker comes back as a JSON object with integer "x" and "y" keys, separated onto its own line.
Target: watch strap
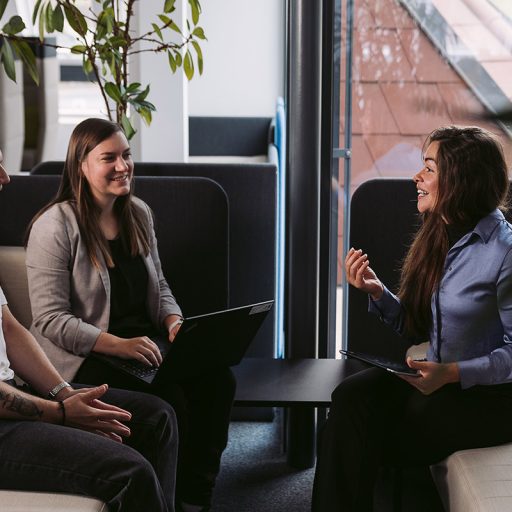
{"x": 53, "y": 392}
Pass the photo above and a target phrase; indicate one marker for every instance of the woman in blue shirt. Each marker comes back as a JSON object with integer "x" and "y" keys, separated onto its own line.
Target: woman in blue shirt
{"x": 456, "y": 291}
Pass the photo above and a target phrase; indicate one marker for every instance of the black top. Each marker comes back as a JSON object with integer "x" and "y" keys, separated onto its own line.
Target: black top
{"x": 128, "y": 291}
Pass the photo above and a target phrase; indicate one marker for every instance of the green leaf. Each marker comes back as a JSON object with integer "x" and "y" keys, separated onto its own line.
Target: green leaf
{"x": 165, "y": 19}
{"x": 199, "y": 33}
{"x": 75, "y": 19}
{"x": 48, "y": 14}
{"x": 157, "y": 30}
{"x": 143, "y": 95}
{"x": 178, "y": 57}
{"x": 175, "y": 27}
{"x": 78, "y": 49}
{"x": 172, "y": 62}
{"x": 7, "y": 57}
{"x": 133, "y": 87}
{"x": 41, "y": 24}
{"x": 195, "y": 8}
{"x": 146, "y": 115}
{"x": 169, "y": 5}
{"x": 199, "y": 52}
{"x": 87, "y": 65}
{"x": 35, "y": 11}
{"x": 147, "y": 105}
{"x": 113, "y": 91}
{"x": 3, "y": 5}
{"x": 26, "y": 54}
{"x": 188, "y": 66}
{"x": 58, "y": 18}
{"x": 127, "y": 127}
{"x": 13, "y": 26}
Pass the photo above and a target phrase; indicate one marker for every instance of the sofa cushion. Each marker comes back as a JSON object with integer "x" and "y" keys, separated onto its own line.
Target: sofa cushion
{"x": 17, "y": 501}
{"x": 13, "y": 280}
{"x": 476, "y": 480}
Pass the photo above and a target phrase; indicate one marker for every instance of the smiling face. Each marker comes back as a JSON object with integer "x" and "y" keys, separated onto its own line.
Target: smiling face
{"x": 4, "y": 177}
{"x": 108, "y": 168}
{"x": 427, "y": 179}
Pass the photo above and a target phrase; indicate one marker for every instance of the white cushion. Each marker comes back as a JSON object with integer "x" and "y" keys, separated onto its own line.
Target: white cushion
{"x": 17, "y": 501}
{"x": 13, "y": 280}
{"x": 478, "y": 480}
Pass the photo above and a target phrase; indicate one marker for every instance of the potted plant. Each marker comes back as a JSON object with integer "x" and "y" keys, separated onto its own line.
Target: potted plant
{"x": 105, "y": 40}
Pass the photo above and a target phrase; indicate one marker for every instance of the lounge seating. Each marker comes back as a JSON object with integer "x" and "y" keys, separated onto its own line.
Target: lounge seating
{"x": 383, "y": 217}
{"x": 199, "y": 276}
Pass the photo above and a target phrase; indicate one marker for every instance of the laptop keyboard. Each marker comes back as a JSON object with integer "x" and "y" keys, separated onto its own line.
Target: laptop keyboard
{"x": 138, "y": 369}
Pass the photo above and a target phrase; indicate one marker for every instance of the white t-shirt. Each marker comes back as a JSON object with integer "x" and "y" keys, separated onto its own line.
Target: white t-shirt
{"x": 5, "y": 371}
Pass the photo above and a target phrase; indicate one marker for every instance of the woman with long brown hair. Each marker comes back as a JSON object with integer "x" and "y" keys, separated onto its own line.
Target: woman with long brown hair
{"x": 96, "y": 285}
{"x": 456, "y": 292}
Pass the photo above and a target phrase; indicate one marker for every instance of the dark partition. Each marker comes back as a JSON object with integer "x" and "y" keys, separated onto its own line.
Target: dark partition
{"x": 383, "y": 221}
{"x": 251, "y": 191}
{"x": 191, "y": 223}
{"x": 243, "y": 136}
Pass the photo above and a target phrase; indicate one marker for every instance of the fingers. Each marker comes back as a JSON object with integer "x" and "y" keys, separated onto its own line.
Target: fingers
{"x": 92, "y": 393}
{"x": 147, "y": 352}
{"x": 356, "y": 264}
{"x": 98, "y": 404}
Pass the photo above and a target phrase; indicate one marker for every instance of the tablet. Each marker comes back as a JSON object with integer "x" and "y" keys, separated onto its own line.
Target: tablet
{"x": 398, "y": 368}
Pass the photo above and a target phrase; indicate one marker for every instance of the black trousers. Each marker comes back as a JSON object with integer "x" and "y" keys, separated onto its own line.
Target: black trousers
{"x": 203, "y": 410}
{"x": 377, "y": 420}
{"x": 138, "y": 474}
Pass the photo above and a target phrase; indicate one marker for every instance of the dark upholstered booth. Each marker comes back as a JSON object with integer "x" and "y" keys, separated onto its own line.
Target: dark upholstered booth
{"x": 221, "y": 136}
{"x": 383, "y": 219}
{"x": 251, "y": 192}
{"x": 191, "y": 223}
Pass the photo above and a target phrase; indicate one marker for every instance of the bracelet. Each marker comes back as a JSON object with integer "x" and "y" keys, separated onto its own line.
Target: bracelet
{"x": 54, "y": 392}
{"x": 63, "y": 411}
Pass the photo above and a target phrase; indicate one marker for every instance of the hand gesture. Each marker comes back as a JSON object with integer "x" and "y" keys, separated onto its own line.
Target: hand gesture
{"x": 360, "y": 275}
{"x": 85, "y": 411}
{"x": 432, "y": 376}
{"x": 141, "y": 348}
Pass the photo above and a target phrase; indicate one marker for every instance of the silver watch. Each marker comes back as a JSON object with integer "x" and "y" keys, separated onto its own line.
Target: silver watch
{"x": 54, "y": 392}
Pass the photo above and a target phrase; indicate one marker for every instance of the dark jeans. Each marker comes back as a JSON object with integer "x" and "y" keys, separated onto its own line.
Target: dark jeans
{"x": 136, "y": 475}
{"x": 377, "y": 420}
{"x": 203, "y": 409}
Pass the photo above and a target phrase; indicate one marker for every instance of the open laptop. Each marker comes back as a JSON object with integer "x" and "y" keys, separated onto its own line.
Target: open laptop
{"x": 218, "y": 339}
{"x": 398, "y": 367}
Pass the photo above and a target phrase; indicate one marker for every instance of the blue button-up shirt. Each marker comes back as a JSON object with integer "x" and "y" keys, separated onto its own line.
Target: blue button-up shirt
{"x": 472, "y": 307}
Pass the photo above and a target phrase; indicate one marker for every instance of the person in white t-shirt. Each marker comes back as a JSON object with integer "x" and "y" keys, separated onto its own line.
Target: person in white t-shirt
{"x": 56, "y": 438}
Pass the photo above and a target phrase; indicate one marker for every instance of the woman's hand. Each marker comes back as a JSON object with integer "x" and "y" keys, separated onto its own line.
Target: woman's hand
{"x": 360, "y": 275}
{"x": 85, "y": 411}
{"x": 432, "y": 376}
{"x": 141, "y": 348}
{"x": 172, "y": 324}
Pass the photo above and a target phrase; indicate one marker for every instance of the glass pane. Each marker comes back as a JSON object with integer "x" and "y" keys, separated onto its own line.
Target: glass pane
{"x": 418, "y": 65}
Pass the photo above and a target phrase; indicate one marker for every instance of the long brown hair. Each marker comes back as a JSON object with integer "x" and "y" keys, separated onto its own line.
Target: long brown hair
{"x": 75, "y": 189}
{"x": 472, "y": 182}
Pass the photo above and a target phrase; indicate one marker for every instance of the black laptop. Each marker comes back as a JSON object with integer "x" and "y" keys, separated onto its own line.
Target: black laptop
{"x": 398, "y": 367}
{"x": 217, "y": 339}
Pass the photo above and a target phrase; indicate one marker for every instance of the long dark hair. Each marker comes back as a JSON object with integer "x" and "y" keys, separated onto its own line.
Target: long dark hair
{"x": 75, "y": 189}
{"x": 473, "y": 181}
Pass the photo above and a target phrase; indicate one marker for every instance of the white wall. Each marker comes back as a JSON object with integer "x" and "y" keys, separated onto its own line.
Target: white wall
{"x": 243, "y": 59}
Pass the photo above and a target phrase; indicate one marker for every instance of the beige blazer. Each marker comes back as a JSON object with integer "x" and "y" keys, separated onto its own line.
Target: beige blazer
{"x": 70, "y": 297}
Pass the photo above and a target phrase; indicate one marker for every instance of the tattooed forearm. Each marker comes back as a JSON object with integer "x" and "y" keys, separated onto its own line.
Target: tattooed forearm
{"x": 16, "y": 403}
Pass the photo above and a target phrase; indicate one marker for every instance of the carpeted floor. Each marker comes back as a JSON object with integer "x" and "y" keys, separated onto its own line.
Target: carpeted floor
{"x": 254, "y": 475}
{"x": 256, "y": 478}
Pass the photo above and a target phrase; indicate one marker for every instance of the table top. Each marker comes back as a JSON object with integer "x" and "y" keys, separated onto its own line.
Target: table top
{"x": 290, "y": 382}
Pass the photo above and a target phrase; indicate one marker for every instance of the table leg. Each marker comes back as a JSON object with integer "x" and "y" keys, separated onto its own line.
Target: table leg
{"x": 301, "y": 436}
